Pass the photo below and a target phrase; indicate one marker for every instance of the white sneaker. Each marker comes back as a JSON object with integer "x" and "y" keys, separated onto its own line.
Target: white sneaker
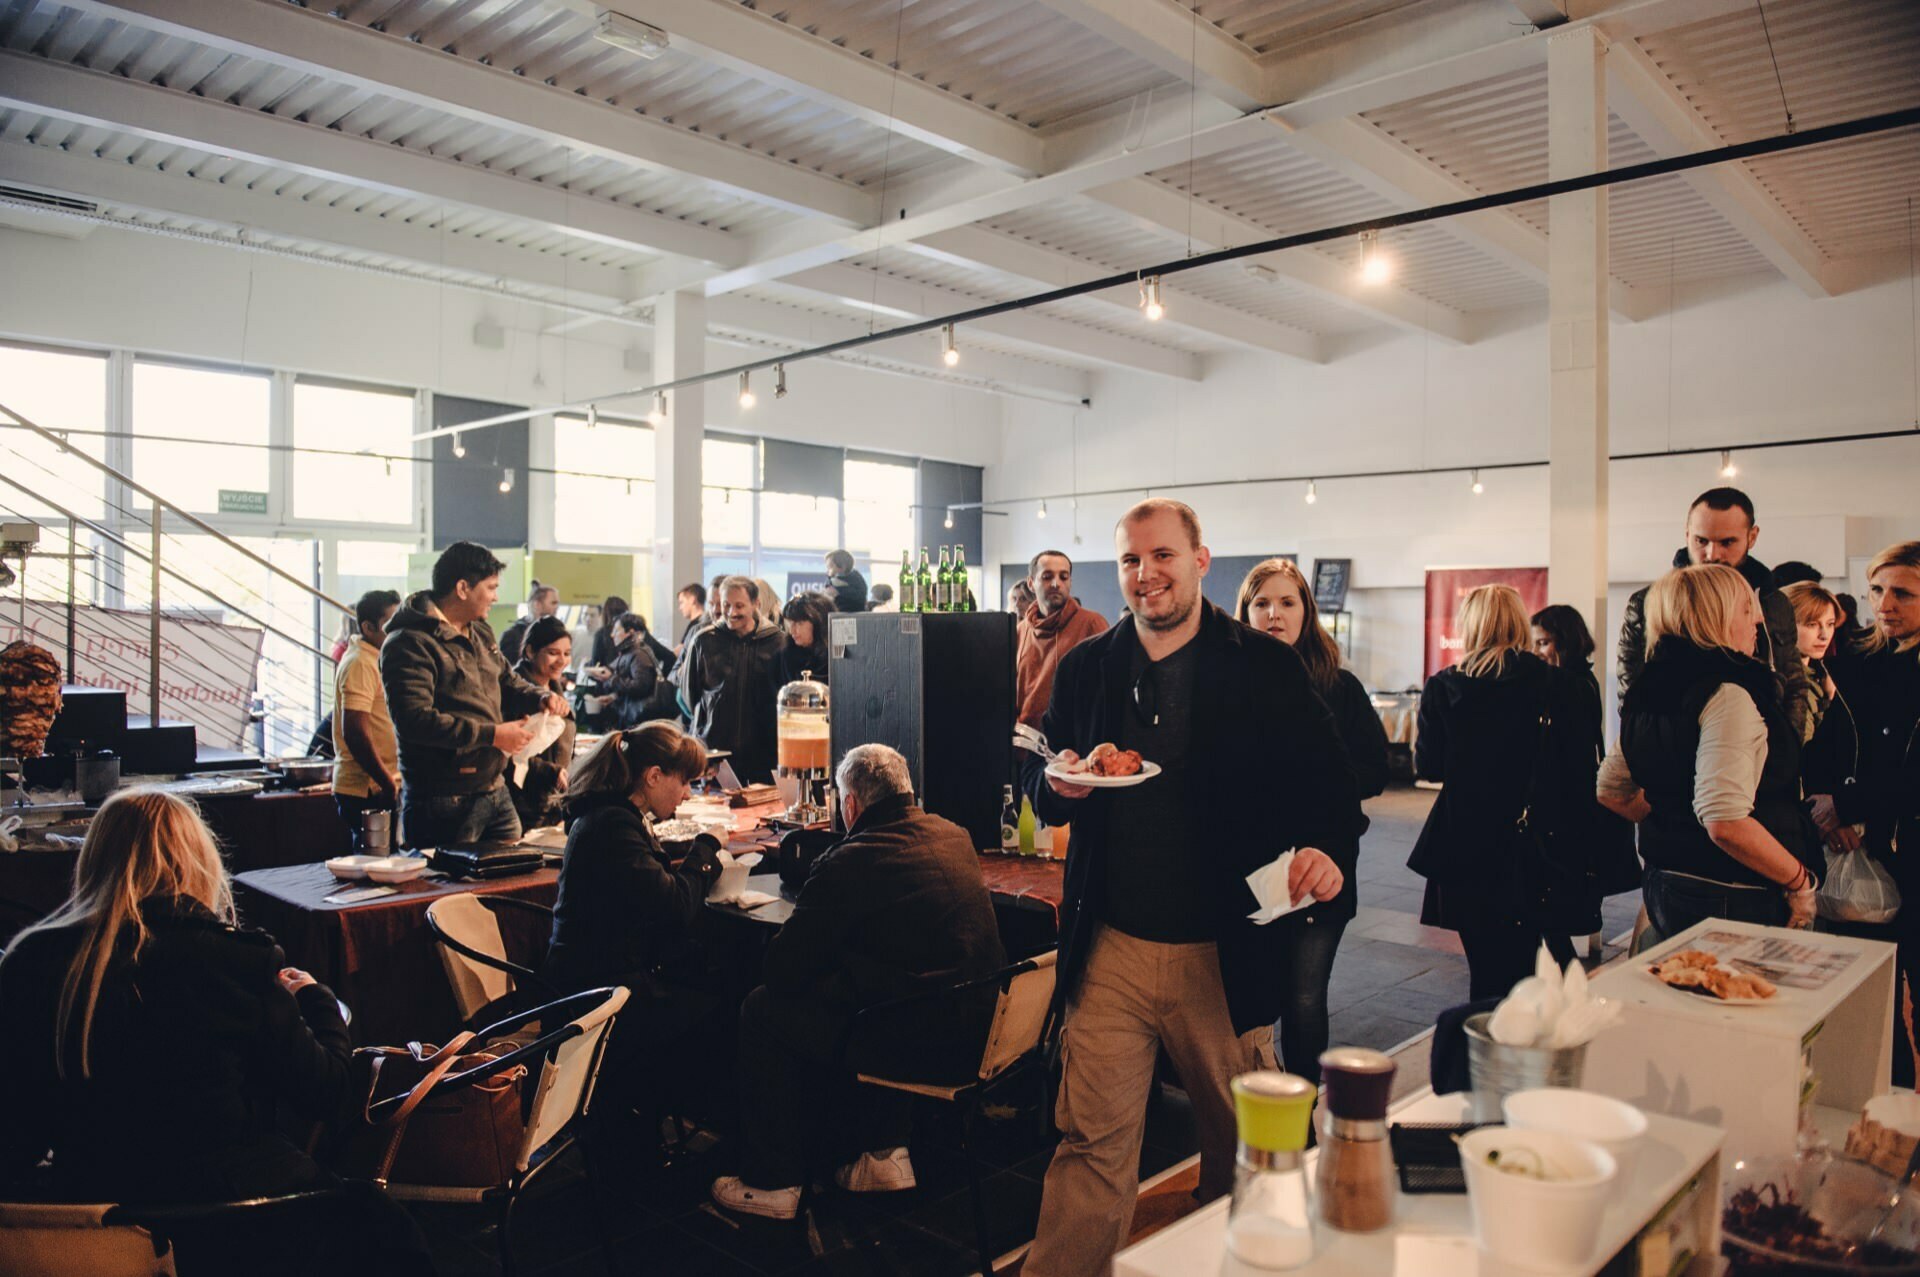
{"x": 773, "y": 1203}
{"x": 887, "y": 1171}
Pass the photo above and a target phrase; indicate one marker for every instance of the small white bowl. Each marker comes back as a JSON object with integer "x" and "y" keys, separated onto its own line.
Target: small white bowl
{"x": 351, "y": 867}
{"x": 393, "y": 869}
{"x": 1532, "y": 1223}
{"x": 1614, "y": 1125}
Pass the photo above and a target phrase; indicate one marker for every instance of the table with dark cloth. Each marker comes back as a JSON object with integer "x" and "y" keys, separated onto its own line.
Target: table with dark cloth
{"x": 379, "y": 956}
{"x": 1026, "y": 901}
{"x": 291, "y": 827}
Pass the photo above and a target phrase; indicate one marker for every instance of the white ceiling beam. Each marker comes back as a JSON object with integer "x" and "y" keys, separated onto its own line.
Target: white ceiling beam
{"x": 1175, "y": 40}
{"x": 1030, "y": 263}
{"x": 165, "y": 115}
{"x": 1662, "y": 117}
{"x": 314, "y": 43}
{"x": 235, "y": 209}
{"x": 790, "y": 326}
{"x": 770, "y": 50}
{"x": 860, "y": 288}
{"x": 1383, "y": 165}
{"x": 1165, "y": 211}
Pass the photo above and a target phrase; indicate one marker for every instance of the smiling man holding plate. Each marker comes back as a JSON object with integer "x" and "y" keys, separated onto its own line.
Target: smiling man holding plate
{"x": 1157, "y": 942}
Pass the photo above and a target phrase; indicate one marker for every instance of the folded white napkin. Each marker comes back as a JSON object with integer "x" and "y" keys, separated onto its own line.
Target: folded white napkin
{"x": 731, "y": 888}
{"x": 546, "y": 728}
{"x": 1269, "y": 886}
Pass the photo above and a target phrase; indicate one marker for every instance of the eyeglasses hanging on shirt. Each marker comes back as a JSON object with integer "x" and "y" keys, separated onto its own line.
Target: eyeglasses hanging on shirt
{"x": 1146, "y": 698}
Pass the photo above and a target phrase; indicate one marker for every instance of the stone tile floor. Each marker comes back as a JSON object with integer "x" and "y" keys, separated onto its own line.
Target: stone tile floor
{"x": 1391, "y": 979}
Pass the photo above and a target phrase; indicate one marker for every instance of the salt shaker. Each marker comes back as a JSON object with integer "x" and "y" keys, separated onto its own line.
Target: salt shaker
{"x": 1355, "y": 1184}
{"x": 1270, "y": 1221}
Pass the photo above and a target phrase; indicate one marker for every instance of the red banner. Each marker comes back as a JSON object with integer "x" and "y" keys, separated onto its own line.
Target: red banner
{"x": 1447, "y": 586}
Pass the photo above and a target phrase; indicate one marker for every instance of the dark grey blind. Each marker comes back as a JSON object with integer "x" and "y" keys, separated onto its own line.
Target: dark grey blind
{"x": 803, "y": 468}
{"x": 467, "y": 502}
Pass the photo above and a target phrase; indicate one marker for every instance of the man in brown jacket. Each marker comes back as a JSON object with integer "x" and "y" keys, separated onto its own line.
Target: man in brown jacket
{"x": 1052, "y": 627}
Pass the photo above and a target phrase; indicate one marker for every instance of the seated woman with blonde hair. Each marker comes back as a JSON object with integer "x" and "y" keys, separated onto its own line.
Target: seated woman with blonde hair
{"x": 1708, "y": 765}
{"x": 150, "y": 1039}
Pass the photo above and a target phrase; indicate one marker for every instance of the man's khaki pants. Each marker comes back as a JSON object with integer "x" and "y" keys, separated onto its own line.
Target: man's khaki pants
{"x": 1134, "y": 997}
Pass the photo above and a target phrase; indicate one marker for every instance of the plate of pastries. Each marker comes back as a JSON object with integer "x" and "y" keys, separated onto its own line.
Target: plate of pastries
{"x": 1698, "y": 973}
{"x": 1106, "y": 766}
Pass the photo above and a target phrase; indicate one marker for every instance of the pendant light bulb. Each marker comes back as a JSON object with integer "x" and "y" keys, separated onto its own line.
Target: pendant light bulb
{"x": 1313, "y": 492}
{"x": 1043, "y": 510}
{"x": 949, "y": 522}
{"x": 1727, "y": 468}
{"x": 1374, "y": 266}
{"x": 949, "y": 353}
{"x": 1478, "y": 487}
{"x": 1150, "y": 298}
{"x": 459, "y": 449}
{"x": 506, "y": 479}
{"x": 747, "y": 399}
{"x": 658, "y": 417}
{"x": 779, "y": 381}
{"x": 593, "y": 415}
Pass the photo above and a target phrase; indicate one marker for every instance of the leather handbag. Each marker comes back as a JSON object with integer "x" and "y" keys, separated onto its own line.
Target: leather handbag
{"x": 462, "y": 1137}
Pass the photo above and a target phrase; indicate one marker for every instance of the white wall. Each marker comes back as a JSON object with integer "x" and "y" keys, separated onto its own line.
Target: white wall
{"x": 175, "y": 297}
{"x": 1748, "y": 362}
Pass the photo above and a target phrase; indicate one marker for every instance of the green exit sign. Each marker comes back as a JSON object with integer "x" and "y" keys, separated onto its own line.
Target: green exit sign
{"x": 232, "y": 502}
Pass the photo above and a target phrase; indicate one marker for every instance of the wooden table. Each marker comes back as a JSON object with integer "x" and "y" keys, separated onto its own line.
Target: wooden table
{"x": 379, "y": 956}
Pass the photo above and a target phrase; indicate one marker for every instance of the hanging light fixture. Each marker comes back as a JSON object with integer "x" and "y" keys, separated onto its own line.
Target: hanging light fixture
{"x": 658, "y": 416}
{"x": 1313, "y": 492}
{"x": 1727, "y": 468}
{"x": 747, "y": 399}
{"x": 779, "y": 381}
{"x": 1150, "y": 298}
{"x": 1478, "y": 487}
{"x": 593, "y": 415}
{"x": 1043, "y": 510}
{"x": 1374, "y": 266}
{"x": 949, "y": 522}
{"x": 459, "y": 449}
{"x": 506, "y": 479}
{"x": 949, "y": 353}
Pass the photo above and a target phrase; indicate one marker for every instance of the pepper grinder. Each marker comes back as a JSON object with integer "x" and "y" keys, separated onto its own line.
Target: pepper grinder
{"x": 1355, "y": 1184}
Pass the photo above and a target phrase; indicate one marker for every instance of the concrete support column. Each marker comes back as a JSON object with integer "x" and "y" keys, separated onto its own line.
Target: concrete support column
{"x": 1577, "y": 334}
{"x": 679, "y": 350}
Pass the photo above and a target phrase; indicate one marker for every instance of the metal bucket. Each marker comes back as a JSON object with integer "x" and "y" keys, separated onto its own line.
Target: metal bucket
{"x": 1499, "y": 1070}
{"x": 376, "y": 832}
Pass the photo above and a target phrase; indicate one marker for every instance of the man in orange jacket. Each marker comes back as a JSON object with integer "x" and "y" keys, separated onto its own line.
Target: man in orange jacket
{"x": 1052, "y": 627}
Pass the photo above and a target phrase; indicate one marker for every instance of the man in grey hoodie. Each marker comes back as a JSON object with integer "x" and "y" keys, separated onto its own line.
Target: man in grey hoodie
{"x": 458, "y": 708}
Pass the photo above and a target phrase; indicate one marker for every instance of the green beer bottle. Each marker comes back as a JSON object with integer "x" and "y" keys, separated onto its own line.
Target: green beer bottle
{"x": 909, "y": 584}
{"x": 923, "y": 584}
{"x": 962, "y": 591}
{"x": 943, "y": 583}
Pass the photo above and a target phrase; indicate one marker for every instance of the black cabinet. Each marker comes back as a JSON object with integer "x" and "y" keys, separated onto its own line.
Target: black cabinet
{"x": 939, "y": 688}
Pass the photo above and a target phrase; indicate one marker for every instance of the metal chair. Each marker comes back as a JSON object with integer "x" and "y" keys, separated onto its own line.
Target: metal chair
{"x": 486, "y": 984}
{"x": 103, "y": 1239}
{"x": 1016, "y": 1036}
{"x": 562, "y": 1066}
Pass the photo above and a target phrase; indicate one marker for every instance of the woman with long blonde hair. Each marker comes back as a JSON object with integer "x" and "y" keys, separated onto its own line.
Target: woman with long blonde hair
{"x": 150, "y": 1040}
{"x": 1708, "y": 764}
{"x": 1276, "y": 600}
{"x": 1507, "y": 733}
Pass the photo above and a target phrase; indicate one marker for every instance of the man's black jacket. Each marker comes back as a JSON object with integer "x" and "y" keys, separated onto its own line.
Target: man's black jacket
{"x": 1258, "y": 729}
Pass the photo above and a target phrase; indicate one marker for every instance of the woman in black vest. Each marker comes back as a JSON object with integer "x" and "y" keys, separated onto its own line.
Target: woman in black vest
{"x": 1708, "y": 765}
{"x": 1507, "y": 733}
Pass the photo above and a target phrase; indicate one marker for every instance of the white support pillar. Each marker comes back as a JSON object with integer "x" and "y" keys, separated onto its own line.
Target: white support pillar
{"x": 1577, "y": 333}
{"x": 679, "y": 350}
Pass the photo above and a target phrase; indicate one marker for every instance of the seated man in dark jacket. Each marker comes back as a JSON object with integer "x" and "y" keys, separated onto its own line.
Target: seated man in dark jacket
{"x": 895, "y": 909}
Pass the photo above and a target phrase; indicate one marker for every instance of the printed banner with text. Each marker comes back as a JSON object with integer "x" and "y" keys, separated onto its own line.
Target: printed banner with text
{"x": 207, "y": 669}
{"x": 1446, "y": 587}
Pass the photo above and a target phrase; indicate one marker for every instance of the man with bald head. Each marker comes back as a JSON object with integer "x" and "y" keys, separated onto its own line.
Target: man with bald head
{"x": 1156, "y": 946}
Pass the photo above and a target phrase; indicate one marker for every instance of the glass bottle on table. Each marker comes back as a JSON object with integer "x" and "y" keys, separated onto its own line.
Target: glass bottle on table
{"x": 909, "y": 584}
{"x": 1027, "y": 826}
{"x": 1009, "y": 822}
{"x": 1270, "y": 1222}
{"x": 962, "y": 591}
{"x": 943, "y": 583}
{"x": 923, "y": 584}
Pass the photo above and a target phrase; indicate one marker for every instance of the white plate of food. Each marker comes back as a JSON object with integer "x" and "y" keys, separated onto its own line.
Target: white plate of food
{"x": 1106, "y": 766}
{"x": 1696, "y": 974}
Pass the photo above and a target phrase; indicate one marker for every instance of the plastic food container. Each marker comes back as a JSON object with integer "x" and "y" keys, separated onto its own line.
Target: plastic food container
{"x": 1537, "y": 1223}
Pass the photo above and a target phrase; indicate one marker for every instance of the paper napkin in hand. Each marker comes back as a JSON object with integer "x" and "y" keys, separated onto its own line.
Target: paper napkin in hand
{"x": 546, "y": 727}
{"x": 731, "y": 887}
{"x": 1269, "y": 886}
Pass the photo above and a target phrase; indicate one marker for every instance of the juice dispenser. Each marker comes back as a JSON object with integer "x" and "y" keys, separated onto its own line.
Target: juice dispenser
{"x": 804, "y": 735}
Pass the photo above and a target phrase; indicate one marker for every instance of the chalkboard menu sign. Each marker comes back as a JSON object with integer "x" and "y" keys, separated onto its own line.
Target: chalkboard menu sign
{"x": 1330, "y": 578}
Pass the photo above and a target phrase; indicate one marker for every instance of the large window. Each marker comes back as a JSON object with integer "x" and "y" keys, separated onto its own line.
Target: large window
{"x": 880, "y": 521}
{"x": 332, "y": 488}
{"x": 792, "y": 521}
{"x": 56, "y": 391}
{"x": 607, "y": 499}
{"x": 729, "y": 470}
{"x": 176, "y": 407}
